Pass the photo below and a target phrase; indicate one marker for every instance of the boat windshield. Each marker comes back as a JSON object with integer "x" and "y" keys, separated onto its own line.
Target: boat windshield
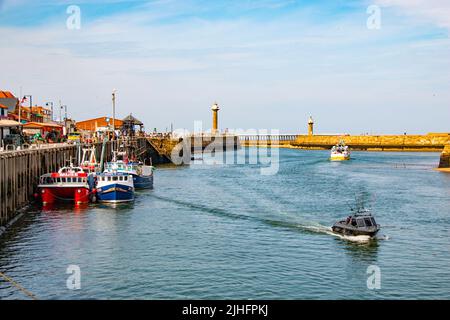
{"x": 368, "y": 222}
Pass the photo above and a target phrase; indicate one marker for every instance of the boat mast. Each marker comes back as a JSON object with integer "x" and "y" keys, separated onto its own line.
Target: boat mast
{"x": 115, "y": 142}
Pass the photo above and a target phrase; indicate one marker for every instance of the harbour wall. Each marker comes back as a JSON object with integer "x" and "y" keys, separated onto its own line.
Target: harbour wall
{"x": 429, "y": 142}
{"x": 181, "y": 150}
{"x": 444, "y": 163}
{"x": 20, "y": 172}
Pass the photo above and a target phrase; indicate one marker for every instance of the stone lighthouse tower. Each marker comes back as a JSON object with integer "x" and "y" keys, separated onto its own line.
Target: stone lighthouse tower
{"x": 215, "y": 109}
{"x": 310, "y": 126}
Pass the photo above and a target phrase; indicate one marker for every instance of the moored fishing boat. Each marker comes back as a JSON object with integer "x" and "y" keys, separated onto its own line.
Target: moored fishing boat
{"x": 115, "y": 187}
{"x": 142, "y": 174}
{"x": 340, "y": 152}
{"x": 68, "y": 184}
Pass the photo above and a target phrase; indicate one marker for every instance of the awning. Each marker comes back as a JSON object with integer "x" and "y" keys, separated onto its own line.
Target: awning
{"x": 10, "y": 123}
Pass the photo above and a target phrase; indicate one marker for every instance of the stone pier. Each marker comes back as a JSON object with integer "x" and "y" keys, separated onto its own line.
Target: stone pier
{"x": 444, "y": 163}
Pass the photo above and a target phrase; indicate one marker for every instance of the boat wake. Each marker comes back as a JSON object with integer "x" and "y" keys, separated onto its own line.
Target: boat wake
{"x": 327, "y": 230}
{"x": 310, "y": 227}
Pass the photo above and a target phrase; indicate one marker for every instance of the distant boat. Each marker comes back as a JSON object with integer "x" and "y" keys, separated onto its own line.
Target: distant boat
{"x": 142, "y": 174}
{"x": 340, "y": 152}
{"x": 115, "y": 187}
{"x": 68, "y": 184}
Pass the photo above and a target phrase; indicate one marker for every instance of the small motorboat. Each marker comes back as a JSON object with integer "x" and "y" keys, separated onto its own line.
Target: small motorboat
{"x": 361, "y": 223}
{"x": 340, "y": 152}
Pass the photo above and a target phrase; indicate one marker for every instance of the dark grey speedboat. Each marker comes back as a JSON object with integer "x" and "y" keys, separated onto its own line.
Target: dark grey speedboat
{"x": 362, "y": 223}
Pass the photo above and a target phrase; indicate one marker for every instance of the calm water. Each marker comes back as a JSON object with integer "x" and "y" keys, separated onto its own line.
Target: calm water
{"x": 227, "y": 232}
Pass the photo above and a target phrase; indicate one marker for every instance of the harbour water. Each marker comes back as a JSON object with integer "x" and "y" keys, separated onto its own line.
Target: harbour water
{"x": 228, "y": 232}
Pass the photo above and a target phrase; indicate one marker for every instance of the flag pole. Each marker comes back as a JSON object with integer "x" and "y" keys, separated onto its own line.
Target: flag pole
{"x": 20, "y": 104}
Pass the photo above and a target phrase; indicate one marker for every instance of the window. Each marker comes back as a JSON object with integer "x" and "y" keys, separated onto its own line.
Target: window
{"x": 360, "y": 223}
{"x": 368, "y": 222}
{"x": 373, "y": 221}
{"x": 354, "y": 222}
{"x": 115, "y": 178}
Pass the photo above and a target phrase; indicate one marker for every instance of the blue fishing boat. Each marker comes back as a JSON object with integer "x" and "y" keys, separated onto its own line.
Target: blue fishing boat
{"x": 142, "y": 174}
{"x": 115, "y": 187}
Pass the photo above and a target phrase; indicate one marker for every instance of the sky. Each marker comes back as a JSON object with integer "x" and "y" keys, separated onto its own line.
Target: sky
{"x": 368, "y": 66}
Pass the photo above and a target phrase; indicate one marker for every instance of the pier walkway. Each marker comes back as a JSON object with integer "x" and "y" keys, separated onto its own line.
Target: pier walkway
{"x": 429, "y": 142}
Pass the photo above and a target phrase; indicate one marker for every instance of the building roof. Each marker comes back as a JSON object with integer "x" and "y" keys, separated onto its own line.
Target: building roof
{"x": 41, "y": 125}
{"x": 133, "y": 120}
{"x": 9, "y": 123}
{"x": 99, "y": 118}
{"x": 38, "y": 108}
{"x": 6, "y": 94}
{"x": 100, "y": 122}
{"x": 3, "y": 107}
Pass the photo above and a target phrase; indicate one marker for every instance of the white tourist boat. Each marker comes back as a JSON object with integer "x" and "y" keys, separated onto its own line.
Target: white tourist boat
{"x": 340, "y": 152}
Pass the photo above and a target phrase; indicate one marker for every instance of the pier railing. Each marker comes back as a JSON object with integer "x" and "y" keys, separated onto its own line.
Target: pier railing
{"x": 267, "y": 139}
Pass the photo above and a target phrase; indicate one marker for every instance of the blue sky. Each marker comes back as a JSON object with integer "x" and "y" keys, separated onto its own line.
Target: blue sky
{"x": 270, "y": 64}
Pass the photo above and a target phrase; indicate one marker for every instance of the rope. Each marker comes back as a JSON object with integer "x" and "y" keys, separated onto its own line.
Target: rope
{"x": 18, "y": 286}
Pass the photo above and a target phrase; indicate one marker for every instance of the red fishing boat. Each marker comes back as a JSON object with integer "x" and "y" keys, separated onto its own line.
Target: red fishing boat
{"x": 68, "y": 184}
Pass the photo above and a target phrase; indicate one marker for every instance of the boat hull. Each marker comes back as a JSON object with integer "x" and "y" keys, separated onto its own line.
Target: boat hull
{"x": 340, "y": 157}
{"x": 349, "y": 231}
{"x": 143, "y": 182}
{"x": 115, "y": 193}
{"x": 50, "y": 195}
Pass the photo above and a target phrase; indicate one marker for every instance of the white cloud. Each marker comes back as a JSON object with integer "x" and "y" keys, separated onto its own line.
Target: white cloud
{"x": 436, "y": 11}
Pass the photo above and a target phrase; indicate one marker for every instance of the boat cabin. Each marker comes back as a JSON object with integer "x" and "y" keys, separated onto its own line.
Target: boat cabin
{"x": 114, "y": 178}
{"x": 363, "y": 221}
